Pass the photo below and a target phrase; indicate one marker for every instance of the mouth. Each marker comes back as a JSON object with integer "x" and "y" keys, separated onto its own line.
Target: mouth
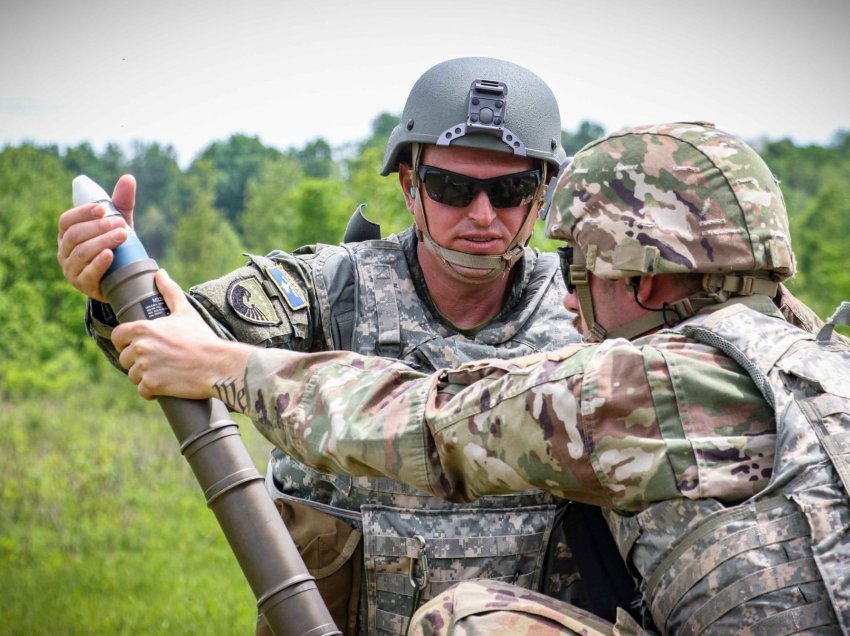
{"x": 480, "y": 244}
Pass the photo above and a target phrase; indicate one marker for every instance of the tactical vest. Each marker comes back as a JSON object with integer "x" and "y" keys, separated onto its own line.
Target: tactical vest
{"x": 369, "y": 304}
{"x": 779, "y": 562}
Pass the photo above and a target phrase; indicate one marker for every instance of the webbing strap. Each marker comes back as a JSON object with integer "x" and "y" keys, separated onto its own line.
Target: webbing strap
{"x": 785, "y": 528}
{"x": 386, "y": 301}
{"x": 837, "y": 446}
{"x": 749, "y": 587}
{"x": 796, "y": 620}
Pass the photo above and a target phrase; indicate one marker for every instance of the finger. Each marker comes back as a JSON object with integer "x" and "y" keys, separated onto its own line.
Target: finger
{"x": 124, "y": 196}
{"x": 84, "y": 261}
{"x": 87, "y": 280}
{"x": 85, "y": 230}
{"x": 121, "y": 338}
{"x": 75, "y": 253}
{"x": 87, "y": 212}
{"x": 145, "y": 392}
{"x": 171, "y": 292}
{"x": 133, "y": 371}
{"x": 137, "y": 378}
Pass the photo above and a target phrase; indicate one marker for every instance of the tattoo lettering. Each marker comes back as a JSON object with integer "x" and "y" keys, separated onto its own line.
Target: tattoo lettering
{"x": 231, "y": 394}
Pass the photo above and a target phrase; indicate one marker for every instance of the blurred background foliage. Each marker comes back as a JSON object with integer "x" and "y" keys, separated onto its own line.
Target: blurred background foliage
{"x": 102, "y": 529}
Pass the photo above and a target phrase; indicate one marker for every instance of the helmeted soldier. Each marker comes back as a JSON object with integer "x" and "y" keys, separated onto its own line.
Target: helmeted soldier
{"x": 477, "y": 142}
{"x": 711, "y": 428}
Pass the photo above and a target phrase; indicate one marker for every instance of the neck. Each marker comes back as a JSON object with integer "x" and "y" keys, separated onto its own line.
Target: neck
{"x": 464, "y": 304}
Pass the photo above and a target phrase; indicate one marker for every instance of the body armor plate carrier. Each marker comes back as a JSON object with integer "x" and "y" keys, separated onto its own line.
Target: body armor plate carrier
{"x": 779, "y": 562}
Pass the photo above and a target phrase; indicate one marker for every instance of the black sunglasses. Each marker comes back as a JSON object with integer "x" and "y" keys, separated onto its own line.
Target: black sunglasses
{"x": 566, "y": 256}
{"x": 506, "y": 191}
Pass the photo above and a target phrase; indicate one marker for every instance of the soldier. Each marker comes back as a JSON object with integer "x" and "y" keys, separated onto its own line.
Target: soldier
{"x": 477, "y": 141}
{"x": 711, "y": 428}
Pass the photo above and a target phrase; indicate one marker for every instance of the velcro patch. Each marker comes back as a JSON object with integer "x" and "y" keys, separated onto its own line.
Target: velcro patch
{"x": 290, "y": 290}
{"x": 250, "y": 302}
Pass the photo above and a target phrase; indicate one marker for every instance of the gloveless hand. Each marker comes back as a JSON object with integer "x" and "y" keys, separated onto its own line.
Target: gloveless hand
{"x": 178, "y": 355}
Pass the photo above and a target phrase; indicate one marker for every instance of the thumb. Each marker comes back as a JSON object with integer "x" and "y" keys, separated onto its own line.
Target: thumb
{"x": 171, "y": 291}
{"x": 124, "y": 197}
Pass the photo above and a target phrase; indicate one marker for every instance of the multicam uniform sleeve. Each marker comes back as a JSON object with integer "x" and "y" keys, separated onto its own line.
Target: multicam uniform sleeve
{"x": 615, "y": 424}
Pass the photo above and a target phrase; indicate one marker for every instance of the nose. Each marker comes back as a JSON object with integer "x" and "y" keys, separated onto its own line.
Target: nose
{"x": 571, "y": 302}
{"x": 480, "y": 209}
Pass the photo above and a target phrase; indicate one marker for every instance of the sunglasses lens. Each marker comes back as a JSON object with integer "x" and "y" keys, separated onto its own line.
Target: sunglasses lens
{"x": 566, "y": 256}
{"x": 450, "y": 188}
{"x": 512, "y": 190}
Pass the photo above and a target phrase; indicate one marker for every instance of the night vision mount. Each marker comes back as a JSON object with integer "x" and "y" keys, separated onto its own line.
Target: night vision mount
{"x": 486, "y": 114}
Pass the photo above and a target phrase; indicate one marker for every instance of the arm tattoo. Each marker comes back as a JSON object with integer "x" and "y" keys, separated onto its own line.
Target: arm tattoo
{"x": 233, "y": 396}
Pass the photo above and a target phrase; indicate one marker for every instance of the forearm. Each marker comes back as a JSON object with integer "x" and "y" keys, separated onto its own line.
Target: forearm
{"x": 486, "y": 428}
{"x": 343, "y": 413}
{"x": 461, "y": 434}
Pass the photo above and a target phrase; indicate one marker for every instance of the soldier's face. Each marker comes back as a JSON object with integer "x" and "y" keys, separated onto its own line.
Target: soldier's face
{"x": 477, "y": 228}
{"x": 613, "y": 304}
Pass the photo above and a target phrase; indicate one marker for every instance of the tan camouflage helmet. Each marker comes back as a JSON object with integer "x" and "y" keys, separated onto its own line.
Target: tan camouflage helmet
{"x": 673, "y": 198}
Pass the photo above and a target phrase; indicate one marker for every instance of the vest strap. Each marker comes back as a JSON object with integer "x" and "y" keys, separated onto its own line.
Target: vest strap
{"x": 386, "y": 300}
{"x": 796, "y": 620}
{"x": 749, "y": 587}
{"x": 783, "y": 529}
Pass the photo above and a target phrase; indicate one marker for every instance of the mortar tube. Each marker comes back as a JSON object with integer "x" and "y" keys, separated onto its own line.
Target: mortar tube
{"x": 209, "y": 439}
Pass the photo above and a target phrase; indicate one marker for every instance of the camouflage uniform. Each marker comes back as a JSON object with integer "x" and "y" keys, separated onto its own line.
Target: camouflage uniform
{"x": 370, "y": 297}
{"x": 719, "y": 447}
{"x": 666, "y": 426}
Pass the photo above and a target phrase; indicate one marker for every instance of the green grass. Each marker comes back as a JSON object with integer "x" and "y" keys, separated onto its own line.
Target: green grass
{"x": 103, "y": 529}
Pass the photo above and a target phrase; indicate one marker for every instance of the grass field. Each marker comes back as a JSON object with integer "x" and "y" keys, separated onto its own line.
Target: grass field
{"x": 103, "y": 529}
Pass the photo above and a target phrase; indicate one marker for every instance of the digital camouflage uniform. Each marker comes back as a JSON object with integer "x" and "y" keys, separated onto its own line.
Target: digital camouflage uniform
{"x": 370, "y": 297}
{"x": 719, "y": 447}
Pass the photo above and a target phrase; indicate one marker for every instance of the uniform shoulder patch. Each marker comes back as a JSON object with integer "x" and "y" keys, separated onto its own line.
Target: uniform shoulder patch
{"x": 292, "y": 293}
{"x": 249, "y": 300}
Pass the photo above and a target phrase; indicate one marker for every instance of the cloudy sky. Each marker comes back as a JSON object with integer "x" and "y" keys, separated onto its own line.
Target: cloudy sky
{"x": 187, "y": 73}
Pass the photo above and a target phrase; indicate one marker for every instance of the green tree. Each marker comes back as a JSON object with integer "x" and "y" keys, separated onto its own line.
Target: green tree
{"x": 161, "y": 195}
{"x": 103, "y": 169}
{"x": 384, "y": 200}
{"x": 44, "y": 348}
{"x": 319, "y": 211}
{"x": 204, "y": 244}
{"x": 587, "y": 132}
{"x": 235, "y": 162}
{"x": 267, "y": 221}
{"x": 316, "y": 159}
{"x": 382, "y": 126}
{"x": 820, "y": 234}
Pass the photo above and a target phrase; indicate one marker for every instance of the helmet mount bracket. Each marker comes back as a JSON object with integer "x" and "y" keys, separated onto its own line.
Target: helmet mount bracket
{"x": 485, "y": 115}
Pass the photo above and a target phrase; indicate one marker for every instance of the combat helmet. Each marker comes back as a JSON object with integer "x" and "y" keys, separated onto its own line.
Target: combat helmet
{"x": 479, "y": 102}
{"x": 487, "y": 104}
{"x": 670, "y": 199}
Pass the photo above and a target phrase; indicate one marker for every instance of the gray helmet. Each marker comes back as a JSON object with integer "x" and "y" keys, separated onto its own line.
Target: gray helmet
{"x": 480, "y": 102}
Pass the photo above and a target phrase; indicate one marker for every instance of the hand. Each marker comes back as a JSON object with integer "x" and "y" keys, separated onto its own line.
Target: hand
{"x": 178, "y": 355}
{"x": 87, "y": 237}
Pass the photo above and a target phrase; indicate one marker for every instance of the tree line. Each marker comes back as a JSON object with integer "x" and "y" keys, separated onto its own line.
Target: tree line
{"x": 240, "y": 195}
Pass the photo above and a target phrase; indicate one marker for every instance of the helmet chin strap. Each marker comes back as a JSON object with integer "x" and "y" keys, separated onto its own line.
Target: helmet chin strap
{"x": 495, "y": 264}
{"x": 670, "y": 313}
{"x": 653, "y": 319}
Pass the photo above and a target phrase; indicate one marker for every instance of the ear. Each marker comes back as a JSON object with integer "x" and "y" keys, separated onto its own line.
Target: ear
{"x": 406, "y": 182}
{"x": 647, "y": 289}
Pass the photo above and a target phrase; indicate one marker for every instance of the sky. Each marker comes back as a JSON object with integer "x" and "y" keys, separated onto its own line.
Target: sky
{"x": 187, "y": 73}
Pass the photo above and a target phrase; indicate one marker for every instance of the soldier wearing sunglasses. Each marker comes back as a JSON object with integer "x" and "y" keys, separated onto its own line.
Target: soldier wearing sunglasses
{"x": 711, "y": 427}
{"x": 477, "y": 142}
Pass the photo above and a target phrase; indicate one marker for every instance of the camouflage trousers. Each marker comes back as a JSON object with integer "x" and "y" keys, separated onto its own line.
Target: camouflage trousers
{"x": 483, "y": 608}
